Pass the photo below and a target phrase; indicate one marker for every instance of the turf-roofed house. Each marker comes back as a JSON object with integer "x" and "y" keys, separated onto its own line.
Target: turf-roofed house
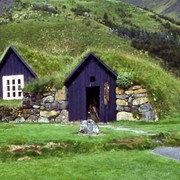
{"x": 91, "y": 91}
{"x": 14, "y": 73}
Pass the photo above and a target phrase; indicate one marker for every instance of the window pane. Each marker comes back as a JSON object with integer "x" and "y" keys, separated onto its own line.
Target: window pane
{"x": 7, "y": 82}
{"x": 19, "y": 81}
{"x": 8, "y": 88}
{"x": 14, "y": 88}
{"x": 14, "y": 94}
{"x": 19, "y": 94}
{"x": 13, "y": 81}
{"x": 8, "y": 94}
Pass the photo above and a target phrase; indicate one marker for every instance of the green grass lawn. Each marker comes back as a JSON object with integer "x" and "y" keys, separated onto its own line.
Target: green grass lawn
{"x": 107, "y": 165}
{"x": 111, "y": 155}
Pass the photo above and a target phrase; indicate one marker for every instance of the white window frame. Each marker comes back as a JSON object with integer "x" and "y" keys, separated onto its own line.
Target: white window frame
{"x": 12, "y": 87}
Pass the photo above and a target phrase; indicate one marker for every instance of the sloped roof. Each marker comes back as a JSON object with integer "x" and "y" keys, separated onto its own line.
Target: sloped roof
{"x": 78, "y": 68}
{"x": 5, "y": 57}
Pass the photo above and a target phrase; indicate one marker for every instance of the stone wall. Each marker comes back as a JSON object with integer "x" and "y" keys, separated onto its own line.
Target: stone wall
{"x": 44, "y": 107}
{"x": 134, "y": 104}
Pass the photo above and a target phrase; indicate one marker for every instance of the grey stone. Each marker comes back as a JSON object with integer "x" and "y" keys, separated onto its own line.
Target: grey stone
{"x": 122, "y": 96}
{"x": 145, "y": 107}
{"x": 139, "y": 95}
{"x": 36, "y": 107}
{"x": 43, "y": 119}
{"x": 148, "y": 115}
{"x": 127, "y": 109}
{"x": 48, "y": 99}
{"x": 89, "y": 127}
{"x": 136, "y": 87}
{"x": 130, "y": 100}
{"x": 64, "y": 104}
{"x": 119, "y": 108}
{"x": 52, "y": 106}
{"x": 19, "y": 120}
{"x": 140, "y": 101}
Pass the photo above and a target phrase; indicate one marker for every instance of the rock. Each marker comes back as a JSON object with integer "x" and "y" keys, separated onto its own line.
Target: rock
{"x": 121, "y": 102}
{"x": 122, "y": 96}
{"x": 63, "y": 117}
{"x": 19, "y": 120}
{"x": 129, "y": 92}
{"x": 32, "y": 118}
{"x": 125, "y": 116}
{"x": 61, "y": 94}
{"x": 140, "y": 91}
{"x": 145, "y": 107}
{"x": 119, "y": 90}
{"x": 43, "y": 120}
{"x": 64, "y": 104}
{"x": 48, "y": 113}
{"x": 148, "y": 115}
{"x": 139, "y": 101}
{"x": 36, "y": 107}
{"x": 136, "y": 87}
{"x": 127, "y": 109}
{"x": 25, "y": 158}
{"x": 48, "y": 99}
{"x": 89, "y": 127}
{"x": 139, "y": 95}
{"x": 119, "y": 108}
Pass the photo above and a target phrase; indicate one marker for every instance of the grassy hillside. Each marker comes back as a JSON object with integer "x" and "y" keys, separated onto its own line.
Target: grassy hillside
{"x": 170, "y": 8}
{"x": 54, "y": 36}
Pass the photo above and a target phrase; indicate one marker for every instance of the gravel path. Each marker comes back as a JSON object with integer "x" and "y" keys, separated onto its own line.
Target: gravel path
{"x": 172, "y": 152}
{"x": 127, "y": 129}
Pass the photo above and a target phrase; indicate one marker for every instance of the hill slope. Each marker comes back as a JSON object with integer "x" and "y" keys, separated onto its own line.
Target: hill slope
{"x": 169, "y": 8}
{"x": 53, "y": 37}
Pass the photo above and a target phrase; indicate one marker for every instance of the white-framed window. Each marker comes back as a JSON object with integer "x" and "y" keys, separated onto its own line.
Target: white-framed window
{"x": 12, "y": 87}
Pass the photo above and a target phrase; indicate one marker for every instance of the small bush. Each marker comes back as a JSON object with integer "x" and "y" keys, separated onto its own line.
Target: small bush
{"x": 125, "y": 79}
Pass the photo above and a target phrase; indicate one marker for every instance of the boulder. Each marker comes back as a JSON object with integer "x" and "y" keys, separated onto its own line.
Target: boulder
{"x": 89, "y": 127}
{"x": 125, "y": 116}
{"x": 136, "y": 87}
{"x": 119, "y": 108}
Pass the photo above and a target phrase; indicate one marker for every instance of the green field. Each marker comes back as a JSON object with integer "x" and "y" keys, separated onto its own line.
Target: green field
{"x": 111, "y": 155}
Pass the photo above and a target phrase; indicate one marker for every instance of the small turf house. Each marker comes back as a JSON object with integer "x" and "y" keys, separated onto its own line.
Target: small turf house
{"x": 91, "y": 91}
{"x": 14, "y": 72}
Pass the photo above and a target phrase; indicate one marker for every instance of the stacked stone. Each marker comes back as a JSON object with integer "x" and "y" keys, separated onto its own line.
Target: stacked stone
{"x": 134, "y": 104}
{"x": 45, "y": 107}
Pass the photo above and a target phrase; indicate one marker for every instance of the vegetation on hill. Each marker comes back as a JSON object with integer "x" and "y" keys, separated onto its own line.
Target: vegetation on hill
{"x": 170, "y": 8}
{"x": 54, "y": 36}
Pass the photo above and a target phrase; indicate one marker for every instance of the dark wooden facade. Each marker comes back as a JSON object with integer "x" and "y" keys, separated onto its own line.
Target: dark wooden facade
{"x": 92, "y": 84}
{"x": 13, "y": 64}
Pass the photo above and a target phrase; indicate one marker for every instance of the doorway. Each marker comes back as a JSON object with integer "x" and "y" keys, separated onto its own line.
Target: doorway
{"x": 92, "y": 103}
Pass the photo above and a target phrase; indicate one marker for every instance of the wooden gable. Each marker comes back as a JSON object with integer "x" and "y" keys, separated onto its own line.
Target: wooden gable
{"x": 92, "y": 85}
{"x": 13, "y": 64}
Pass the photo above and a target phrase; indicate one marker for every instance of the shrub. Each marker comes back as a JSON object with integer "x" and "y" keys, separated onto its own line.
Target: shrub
{"x": 125, "y": 79}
